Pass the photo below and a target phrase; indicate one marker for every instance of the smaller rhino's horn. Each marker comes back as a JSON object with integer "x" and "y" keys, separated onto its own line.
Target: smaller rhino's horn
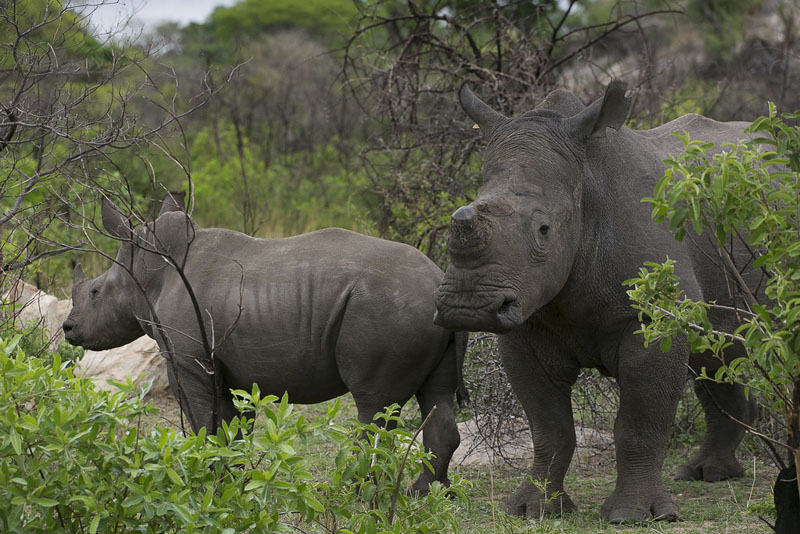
{"x": 479, "y": 111}
{"x": 78, "y": 275}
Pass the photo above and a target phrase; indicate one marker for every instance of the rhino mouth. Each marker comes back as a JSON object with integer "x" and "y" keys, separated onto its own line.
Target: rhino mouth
{"x": 499, "y": 315}
{"x": 69, "y": 332}
{"x": 73, "y": 337}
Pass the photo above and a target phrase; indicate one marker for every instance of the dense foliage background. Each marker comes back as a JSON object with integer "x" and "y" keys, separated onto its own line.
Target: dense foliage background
{"x": 287, "y": 117}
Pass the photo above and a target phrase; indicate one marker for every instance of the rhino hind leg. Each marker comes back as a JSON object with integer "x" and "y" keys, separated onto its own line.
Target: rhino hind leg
{"x": 715, "y": 460}
{"x": 440, "y": 435}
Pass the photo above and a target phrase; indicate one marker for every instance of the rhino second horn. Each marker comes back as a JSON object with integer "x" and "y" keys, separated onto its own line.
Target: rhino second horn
{"x": 78, "y": 275}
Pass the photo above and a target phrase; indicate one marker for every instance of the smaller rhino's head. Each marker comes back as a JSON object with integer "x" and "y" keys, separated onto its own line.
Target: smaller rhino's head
{"x": 106, "y": 310}
{"x": 101, "y": 316}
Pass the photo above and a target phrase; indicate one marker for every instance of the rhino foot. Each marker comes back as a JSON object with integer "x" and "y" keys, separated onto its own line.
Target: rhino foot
{"x": 528, "y": 501}
{"x": 421, "y": 487}
{"x": 710, "y": 470}
{"x": 621, "y": 508}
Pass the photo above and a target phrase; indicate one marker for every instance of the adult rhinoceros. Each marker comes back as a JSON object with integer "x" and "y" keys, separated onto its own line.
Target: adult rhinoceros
{"x": 321, "y": 314}
{"x": 540, "y": 257}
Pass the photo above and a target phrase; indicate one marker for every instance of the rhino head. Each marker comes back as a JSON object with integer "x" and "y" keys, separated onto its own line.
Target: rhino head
{"x": 107, "y": 310}
{"x": 513, "y": 248}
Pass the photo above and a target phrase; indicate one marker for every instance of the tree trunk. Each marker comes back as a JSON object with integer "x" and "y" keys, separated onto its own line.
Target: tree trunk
{"x": 787, "y": 486}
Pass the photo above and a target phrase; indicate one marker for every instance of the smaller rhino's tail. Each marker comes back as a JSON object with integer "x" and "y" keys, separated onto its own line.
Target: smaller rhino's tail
{"x": 461, "y": 339}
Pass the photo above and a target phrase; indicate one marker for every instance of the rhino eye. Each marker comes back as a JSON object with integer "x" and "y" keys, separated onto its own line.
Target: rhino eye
{"x": 95, "y": 291}
{"x": 543, "y": 229}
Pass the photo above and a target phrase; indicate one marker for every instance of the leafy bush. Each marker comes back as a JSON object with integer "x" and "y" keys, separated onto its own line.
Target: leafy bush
{"x": 749, "y": 196}
{"x": 72, "y": 459}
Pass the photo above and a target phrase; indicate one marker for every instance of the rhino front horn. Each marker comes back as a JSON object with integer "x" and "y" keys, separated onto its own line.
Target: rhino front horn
{"x": 464, "y": 215}
{"x": 78, "y": 275}
{"x": 466, "y": 230}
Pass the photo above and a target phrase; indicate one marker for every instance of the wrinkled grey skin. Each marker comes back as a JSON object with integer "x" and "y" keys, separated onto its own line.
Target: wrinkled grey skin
{"x": 322, "y": 314}
{"x": 540, "y": 256}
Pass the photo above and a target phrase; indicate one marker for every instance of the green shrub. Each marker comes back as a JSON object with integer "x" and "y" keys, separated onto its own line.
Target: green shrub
{"x": 366, "y": 491}
{"x": 72, "y": 459}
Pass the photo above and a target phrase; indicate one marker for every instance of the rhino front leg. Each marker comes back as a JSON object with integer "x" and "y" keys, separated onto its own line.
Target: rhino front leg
{"x": 650, "y": 385}
{"x": 193, "y": 388}
{"x": 542, "y": 377}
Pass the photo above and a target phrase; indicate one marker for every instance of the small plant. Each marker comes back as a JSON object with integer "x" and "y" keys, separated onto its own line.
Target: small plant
{"x": 367, "y": 490}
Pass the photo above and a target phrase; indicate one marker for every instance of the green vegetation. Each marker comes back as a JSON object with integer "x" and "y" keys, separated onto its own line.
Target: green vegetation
{"x": 75, "y": 459}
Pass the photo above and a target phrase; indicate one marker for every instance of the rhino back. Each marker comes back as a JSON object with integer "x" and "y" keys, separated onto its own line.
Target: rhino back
{"x": 699, "y": 128}
{"x": 618, "y": 233}
{"x": 296, "y": 293}
{"x": 701, "y": 250}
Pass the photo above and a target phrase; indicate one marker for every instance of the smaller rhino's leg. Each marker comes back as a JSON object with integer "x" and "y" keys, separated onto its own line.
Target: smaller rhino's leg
{"x": 368, "y": 405}
{"x": 367, "y": 408}
{"x": 440, "y": 435}
{"x": 193, "y": 388}
{"x": 715, "y": 460}
{"x": 542, "y": 376}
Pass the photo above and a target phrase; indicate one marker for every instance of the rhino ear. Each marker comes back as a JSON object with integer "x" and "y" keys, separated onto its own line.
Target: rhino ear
{"x": 610, "y": 111}
{"x": 114, "y": 222}
{"x": 78, "y": 275}
{"x": 173, "y": 202}
{"x": 479, "y": 111}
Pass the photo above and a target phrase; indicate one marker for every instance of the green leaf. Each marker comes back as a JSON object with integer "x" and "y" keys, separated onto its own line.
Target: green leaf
{"x": 94, "y": 524}
{"x": 132, "y": 500}
{"x": 666, "y": 344}
{"x": 173, "y": 476}
{"x": 16, "y": 441}
{"x": 255, "y": 484}
{"x": 314, "y": 504}
{"x": 44, "y": 501}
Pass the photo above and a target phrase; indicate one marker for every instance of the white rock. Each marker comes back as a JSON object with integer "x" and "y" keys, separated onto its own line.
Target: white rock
{"x": 139, "y": 359}
{"x": 36, "y": 306}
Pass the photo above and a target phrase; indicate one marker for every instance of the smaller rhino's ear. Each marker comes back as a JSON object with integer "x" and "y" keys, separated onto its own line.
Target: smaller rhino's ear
{"x": 114, "y": 222}
{"x": 610, "y": 111}
{"x": 78, "y": 275}
{"x": 173, "y": 202}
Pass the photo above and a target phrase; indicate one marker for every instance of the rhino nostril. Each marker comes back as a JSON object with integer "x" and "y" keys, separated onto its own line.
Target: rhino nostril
{"x": 464, "y": 214}
{"x": 508, "y": 305}
{"x": 67, "y": 326}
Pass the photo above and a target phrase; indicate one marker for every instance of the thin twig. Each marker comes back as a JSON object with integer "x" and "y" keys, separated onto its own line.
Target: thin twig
{"x": 403, "y": 465}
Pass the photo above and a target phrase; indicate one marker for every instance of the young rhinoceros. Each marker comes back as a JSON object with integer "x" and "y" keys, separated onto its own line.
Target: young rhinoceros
{"x": 322, "y": 314}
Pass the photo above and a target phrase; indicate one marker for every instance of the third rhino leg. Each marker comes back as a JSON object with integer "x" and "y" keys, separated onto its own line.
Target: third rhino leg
{"x": 542, "y": 376}
{"x": 650, "y": 385}
{"x": 715, "y": 460}
{"x": 440, "y": 435}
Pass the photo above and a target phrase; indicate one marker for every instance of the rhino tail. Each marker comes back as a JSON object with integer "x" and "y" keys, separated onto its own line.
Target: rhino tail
{"x": 460, "y": 342}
